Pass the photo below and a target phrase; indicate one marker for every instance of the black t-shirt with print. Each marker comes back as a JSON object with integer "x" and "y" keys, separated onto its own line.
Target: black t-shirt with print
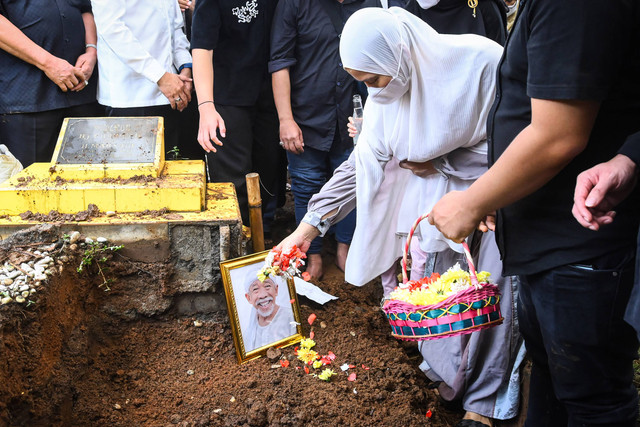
{"x": 238, "y": 32}
{"x": 567, "y": 50}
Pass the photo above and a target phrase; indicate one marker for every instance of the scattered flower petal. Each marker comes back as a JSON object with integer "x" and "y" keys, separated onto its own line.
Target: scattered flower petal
{"x": 331, "y": 356}
{"x": 311, "y": 335}
{"x": 317, "y": 364}
{"x": 292, "y": 301}
{"x": 284, "y": 363}
{"x": 355, "y": 391}
{"x": 306, "y": 276}
{"x": 326, "y": 374}
{"x": 217, "y": 411}
{"x": 306, "y": 369}
{"x": 352, "y": 366}
{"x": 429, "y": 413}
{"x": 312, "y": 318}
{"x": 352, "y": 377}
{"x": 344, "y": 367}
{"x": 307, "y": 343}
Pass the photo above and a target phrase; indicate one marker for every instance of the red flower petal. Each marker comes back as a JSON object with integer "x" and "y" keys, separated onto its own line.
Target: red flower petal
{"x": 311, "y": 335}
{"x": 366, "y": 368}
{"x": 306, "y": 369}
{"x": 429, "y": 413}
{"x": 306, "y": 276}
{"x": 331, "y": 356}
{"x": 284, "y": 363}
{"x": 312, "y": 318}
{"x": 352, "y": 366}
{"x": 291, "y": 301}
{"x": 352, "y": 377}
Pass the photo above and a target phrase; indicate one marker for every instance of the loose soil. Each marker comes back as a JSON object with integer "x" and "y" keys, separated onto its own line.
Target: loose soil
{"x": 67, "y": 361}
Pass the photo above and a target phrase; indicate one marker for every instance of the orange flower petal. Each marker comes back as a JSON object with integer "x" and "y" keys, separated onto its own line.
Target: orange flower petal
{"x": 352, "y": 377}
{"x": 366, "y": 368}
{"x": 306, "y": 276}
{"x": 429, "y": 413}
{"x": 312, "y": 334}
{"x": 352, "y": 366}
{"x": 292, "y": 301}
{"x": 312, "y": 318}
{"x": 306, "y": 369}
{"x": 284, "y": 363}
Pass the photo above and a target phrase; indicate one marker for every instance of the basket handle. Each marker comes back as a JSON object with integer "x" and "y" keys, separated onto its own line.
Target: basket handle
{"x": 467, "y": 252}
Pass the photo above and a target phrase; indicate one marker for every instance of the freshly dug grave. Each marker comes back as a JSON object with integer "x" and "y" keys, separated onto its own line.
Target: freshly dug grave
{"x": 70, "y": 359}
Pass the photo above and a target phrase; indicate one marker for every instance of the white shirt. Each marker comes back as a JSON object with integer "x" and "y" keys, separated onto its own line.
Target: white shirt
{"x": 138, "y": 41}
{"x": 282, "y": 326}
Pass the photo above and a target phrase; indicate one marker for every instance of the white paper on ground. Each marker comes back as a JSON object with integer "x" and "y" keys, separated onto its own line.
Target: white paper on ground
{"x": 312, "y": 292}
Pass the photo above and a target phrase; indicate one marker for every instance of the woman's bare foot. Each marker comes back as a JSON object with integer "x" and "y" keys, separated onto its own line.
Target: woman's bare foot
{"x": 341, "y": 255}
{"x": 477, "y": 417}
{"x": 314, "y": 266}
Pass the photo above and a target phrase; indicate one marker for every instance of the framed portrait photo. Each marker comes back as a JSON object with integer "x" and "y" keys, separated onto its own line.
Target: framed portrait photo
{"x": 263, "y": 314}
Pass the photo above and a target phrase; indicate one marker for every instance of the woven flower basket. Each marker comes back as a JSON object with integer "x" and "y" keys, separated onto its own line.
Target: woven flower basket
{"x": 472, "y": 309}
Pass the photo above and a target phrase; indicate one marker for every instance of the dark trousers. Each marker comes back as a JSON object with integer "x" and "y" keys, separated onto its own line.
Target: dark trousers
{"x": 251, "y": 145}
{"x": 32, "y": 137}
{"x": 582, "y": 350}
{"x": 171, "y": 120}
{"x": 309, "y": 171}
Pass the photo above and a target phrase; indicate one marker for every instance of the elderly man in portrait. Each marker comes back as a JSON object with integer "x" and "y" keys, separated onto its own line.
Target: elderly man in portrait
{"x": 269, "y": 322}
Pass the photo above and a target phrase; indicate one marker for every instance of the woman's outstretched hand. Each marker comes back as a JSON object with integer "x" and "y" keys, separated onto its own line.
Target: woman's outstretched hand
{"x": 301, "y": 237}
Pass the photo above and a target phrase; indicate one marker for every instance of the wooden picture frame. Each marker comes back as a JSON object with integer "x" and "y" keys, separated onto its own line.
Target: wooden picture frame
{"x": 254, "y": 324}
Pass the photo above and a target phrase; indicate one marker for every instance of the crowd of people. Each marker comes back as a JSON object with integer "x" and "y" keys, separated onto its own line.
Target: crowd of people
{"x": 515, "y": 123}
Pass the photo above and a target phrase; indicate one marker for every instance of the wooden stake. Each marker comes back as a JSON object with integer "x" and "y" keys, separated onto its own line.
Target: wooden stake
{"x": 255, "y": 211}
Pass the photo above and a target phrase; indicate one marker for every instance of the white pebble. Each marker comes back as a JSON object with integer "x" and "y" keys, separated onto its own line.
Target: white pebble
{"x": 6, "y": 300}
{"x": 20, "y": 299}
{"x": 7, "y": 282}
{"x": 88, "y": 240}
{"x": 25, "y": 294}
{"x": 110, "y": 213}
{"x": 74, "y": 237}
{"x": 102, "y": 240}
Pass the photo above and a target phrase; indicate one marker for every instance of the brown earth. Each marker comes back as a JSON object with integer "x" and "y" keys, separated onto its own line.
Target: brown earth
{"x": 66, "y": 361}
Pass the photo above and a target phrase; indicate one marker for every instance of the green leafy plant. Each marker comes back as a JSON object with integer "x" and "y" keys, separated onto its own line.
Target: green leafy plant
{"x": 174, "y": 153}
{"x": 98, "y": 252}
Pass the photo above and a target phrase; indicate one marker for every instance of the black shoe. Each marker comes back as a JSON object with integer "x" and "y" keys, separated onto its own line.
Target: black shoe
{"x": 471, "y": 423}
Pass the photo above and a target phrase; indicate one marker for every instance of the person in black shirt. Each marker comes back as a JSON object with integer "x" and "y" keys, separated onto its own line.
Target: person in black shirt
{"x": 313, "y": 95}
{"x": 230, "y": 38}
{"x": 47, "y": 58}
{"x": 456, "y": 17}
{"x": 568, "y": 98}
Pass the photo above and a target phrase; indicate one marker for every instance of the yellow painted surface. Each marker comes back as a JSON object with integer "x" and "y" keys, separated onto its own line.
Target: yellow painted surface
{"x": 181, "y": 188}
{"x": 222, "y": 206}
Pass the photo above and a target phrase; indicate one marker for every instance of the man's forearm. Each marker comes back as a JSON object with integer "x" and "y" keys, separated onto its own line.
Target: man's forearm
{"x": 282, "y": 93}
{"x": 203, "y": 74}
{"x": 90, "y": 33}
{"x": 15, "y": 42}
{"x": 559, "y": 131}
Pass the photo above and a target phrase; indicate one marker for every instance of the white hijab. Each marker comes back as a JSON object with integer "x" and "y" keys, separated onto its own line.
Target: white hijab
{"x": 438, "y": 101}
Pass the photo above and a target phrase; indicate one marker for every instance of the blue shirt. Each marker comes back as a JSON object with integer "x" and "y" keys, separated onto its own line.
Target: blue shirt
{"x": 56, "y": 26}
{"x": 305, "y": 40}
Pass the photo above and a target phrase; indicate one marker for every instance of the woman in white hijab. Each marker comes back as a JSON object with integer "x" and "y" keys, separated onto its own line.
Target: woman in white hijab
{"x": 423, "y": 136}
